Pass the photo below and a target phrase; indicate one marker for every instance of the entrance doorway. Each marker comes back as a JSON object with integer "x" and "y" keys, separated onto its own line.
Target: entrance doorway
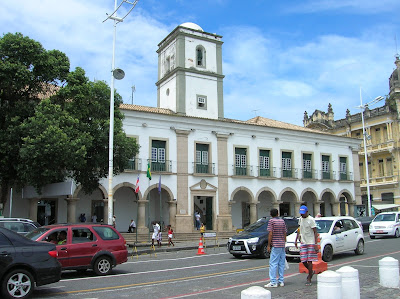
{"x": 98, "y": 210}
{"x": 204, "y": 205}
{"x": 46, "y": 212}
{"x": 284, "y": 209}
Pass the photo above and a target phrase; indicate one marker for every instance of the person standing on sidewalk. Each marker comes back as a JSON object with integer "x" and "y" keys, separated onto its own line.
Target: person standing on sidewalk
{"x": 276, "y": 246}
{"x": 308, "y": 236}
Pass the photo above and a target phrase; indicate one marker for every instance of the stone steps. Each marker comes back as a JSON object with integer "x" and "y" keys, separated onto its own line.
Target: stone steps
{"x": 179, "y": 237}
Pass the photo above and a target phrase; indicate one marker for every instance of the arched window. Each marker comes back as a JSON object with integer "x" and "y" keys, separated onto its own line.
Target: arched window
{"x": 200, "y": 56}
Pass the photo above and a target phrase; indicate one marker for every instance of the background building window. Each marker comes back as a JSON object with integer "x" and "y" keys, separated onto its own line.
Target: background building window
{"x": 264, "y": 163}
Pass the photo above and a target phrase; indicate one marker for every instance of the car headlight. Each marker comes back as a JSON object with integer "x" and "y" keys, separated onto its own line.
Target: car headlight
{"x": 230, "y": 240}
{"x": 391, "y": 226}
{"x": 253, "y": 240}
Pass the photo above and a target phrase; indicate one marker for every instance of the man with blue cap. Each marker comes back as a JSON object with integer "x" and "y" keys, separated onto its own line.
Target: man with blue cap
{"x": 308, "y": 236}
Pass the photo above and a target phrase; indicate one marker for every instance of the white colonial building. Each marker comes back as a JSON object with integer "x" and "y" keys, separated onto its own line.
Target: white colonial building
{"x": 232, "y": 172}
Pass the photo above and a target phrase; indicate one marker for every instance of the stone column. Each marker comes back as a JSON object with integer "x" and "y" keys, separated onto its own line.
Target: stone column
{"x": 297, "y": 206}
{"x": 172, "y": 213}
{"x": 317, "y": 208}
{"x": 105, "y": 214}
{"x": 184, "y": 220}
{"x": 33, "y": 209}
{"x": 253, "y": 212}
{"x": 336, "y": 209}
{"x": 71, "y": 209}
{"x": 141, "y": 221}
{"x": 224, "y": 218}
{"x": 350, "y": 208}
{"x": 275, "y": 205}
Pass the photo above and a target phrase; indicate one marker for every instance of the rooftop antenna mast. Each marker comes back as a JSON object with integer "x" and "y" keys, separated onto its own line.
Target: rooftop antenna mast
{"x": 395, "y": 41}
{"x": 118, "y": 74}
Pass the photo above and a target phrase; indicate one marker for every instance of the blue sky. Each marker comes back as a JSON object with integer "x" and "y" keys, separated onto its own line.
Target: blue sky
{"x": 281, "y": 58}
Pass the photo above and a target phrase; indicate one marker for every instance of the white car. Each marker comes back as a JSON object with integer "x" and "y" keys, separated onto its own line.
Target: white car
{"x": 385, "y": 224}
{"x": 337, "y": 234}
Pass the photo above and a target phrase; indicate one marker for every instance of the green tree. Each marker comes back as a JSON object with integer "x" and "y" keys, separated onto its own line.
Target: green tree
{"x": 27, "y": 73}
{"x": 45, "y": 141}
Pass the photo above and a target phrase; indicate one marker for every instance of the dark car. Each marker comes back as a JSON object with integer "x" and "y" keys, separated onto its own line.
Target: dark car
{"x": 253, "y": 240}
{"x": 85, "y": 246}
{"x": 25, "y": 264}
{"x": 365, "y": 222}
{"x": 19, "y": 225}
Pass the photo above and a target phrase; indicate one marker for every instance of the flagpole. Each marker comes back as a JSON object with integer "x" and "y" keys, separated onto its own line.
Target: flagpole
{"x": 159, "y": 191}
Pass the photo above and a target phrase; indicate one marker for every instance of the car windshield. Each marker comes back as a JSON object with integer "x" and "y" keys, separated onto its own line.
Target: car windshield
{"x": 257, "y": 226}
{"x": 35, "y": 234}
{"x": 323, "y": 226}
{"x": 384, "y": 217}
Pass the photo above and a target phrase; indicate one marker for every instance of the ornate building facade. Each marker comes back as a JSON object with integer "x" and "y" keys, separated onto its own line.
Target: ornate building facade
{"x": 382, "y": 126}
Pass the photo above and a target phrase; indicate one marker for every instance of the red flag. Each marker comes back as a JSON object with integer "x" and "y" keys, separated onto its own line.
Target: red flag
{"x": 137, "y": 185}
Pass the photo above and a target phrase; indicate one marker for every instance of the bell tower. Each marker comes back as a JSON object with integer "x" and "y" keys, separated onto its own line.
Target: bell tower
{"x": 190, "y": 79}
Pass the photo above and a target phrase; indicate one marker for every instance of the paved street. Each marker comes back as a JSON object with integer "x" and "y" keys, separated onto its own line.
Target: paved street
{"x": 217, "y": 274}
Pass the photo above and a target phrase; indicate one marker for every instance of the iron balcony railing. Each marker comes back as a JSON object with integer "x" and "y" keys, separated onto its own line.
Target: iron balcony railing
{"x": 327, "y": 175}
{"x": 204, "y": 168}
{"x": 134, "y": 164}
{"x": 290, "y": 173}
{"x": 310, "y": 174}
{"x": 160, "y": 166}
{"x": 267, "y": 172}
{"x": 245, "y": 170}
{"x": 345, "y": 176}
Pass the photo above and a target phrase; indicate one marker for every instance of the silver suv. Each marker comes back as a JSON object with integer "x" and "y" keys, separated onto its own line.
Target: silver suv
{"x": 19, "y": 225}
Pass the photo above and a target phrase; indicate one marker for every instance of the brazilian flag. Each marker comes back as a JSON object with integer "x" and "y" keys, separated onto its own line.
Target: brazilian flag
{"x": 148, "y": 171}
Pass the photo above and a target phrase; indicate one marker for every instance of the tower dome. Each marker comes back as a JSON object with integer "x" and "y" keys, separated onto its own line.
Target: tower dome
{"x": 192, "y": 26}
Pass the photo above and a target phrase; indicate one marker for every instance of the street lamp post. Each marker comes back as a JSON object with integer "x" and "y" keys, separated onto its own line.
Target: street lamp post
{"x": 115, "y": 74}
{"x": 363, "y": 107}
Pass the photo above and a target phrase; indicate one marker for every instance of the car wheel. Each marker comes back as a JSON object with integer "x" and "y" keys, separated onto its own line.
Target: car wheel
{"x": 372, "y": 237}
{"x": 264, "y": 252}
{"x": 360, "y": 247}
{"x": 397, "y": 233}
{"x": 238, "y": 256}
{"x": 102, "y": 266}
{"x": 18, "y": 284}
{"x": 328, "y": 253}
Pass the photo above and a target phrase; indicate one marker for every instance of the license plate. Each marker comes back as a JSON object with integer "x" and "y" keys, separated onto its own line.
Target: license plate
{"x": 294, "y": 249}
{"x": 379, "y": 231}
{"x": 236, "y": 247}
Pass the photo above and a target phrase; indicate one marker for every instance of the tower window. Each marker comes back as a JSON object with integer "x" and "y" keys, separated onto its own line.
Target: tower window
{"x": 200, "y": 56}
{"x": 202, "y": 102}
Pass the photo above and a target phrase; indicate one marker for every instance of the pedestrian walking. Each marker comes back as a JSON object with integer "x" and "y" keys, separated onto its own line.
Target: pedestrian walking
{"x": 156, "y": 231}
{"x": 114, "y": 221}
{"x": 170, "y": 235}
{"x": 276, "y": 246}
{"x": 197, "y": 216}
{"x": 308, "y": 236}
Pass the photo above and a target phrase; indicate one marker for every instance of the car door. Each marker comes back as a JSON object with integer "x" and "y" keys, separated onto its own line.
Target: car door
{"x": 62, "y": 247}
{"x": 7, "y": 253}
{"x": 351, "y": 231}
{"x": 83, "y": 247}
{"x": 338, "y": 235}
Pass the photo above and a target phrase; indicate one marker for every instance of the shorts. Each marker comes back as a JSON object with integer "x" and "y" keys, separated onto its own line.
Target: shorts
{"x": 170, "y": 236}
{"x": 154, "y": 236}
{"x": 308, "y": 253}
{"x": 159, "y": 237}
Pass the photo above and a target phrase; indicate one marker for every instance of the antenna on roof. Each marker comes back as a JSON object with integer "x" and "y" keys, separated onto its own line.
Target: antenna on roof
{"x": 395, "y": 42}
{"x": 255, "y": 112}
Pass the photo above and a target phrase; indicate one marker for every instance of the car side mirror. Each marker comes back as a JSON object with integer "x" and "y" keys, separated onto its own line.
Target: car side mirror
{"x": 338, "y": 231}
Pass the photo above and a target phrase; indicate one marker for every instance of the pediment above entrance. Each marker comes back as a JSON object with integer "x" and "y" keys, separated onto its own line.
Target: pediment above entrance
{"x": 203, "y": 186}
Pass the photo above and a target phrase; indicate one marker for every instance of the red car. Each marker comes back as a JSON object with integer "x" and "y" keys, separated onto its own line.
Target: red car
{"x": 84, "y": 246}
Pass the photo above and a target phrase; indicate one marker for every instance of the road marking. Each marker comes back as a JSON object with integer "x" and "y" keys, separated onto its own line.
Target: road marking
{"x": 203, "y": 276}
{"x": 175, "y": 259}
{"x": 162, "y": 281}
{"x": 153, "y": 271}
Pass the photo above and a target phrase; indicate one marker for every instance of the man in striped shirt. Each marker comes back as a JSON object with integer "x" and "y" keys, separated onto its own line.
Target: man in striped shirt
{"x": 276, "y": 246}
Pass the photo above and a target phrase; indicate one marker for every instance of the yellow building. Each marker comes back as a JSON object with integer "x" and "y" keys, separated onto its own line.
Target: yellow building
{"x": 382, "y": 126}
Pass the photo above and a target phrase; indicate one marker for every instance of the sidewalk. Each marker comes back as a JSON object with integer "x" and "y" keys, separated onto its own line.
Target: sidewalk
{"x": 145, "y": 248}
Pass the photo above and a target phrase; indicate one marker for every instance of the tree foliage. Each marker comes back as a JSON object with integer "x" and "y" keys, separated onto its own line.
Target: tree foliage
{"x": 54, "y": 123}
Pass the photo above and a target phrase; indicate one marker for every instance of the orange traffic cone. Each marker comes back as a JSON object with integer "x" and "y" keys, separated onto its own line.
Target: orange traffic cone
{"x": 318, "y": 267}
{"x": 201, "y": 249}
